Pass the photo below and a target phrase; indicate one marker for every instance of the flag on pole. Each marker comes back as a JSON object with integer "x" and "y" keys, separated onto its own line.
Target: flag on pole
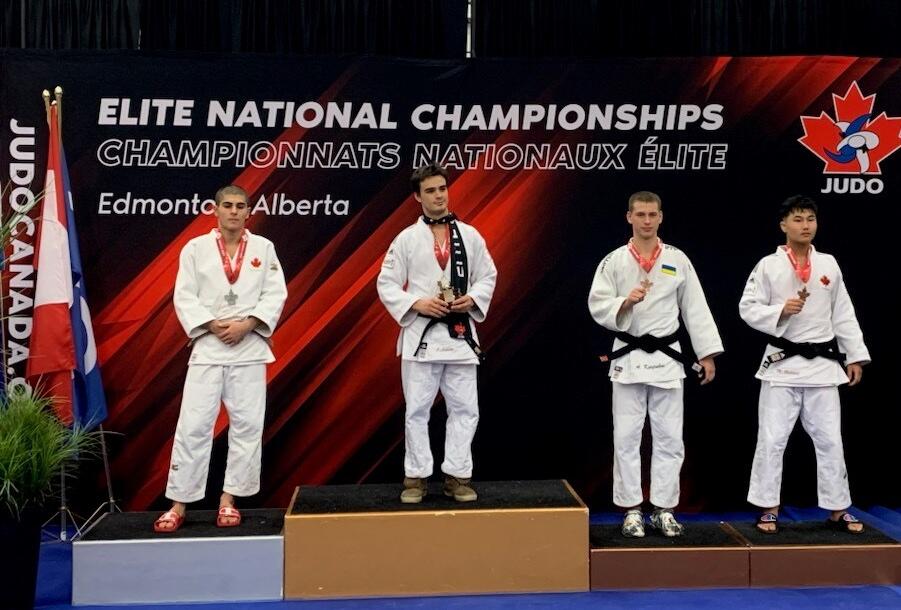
{"x": 63, "y": 353}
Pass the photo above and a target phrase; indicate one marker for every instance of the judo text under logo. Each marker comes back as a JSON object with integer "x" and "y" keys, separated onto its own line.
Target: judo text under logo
{"x": 854, "y": 142}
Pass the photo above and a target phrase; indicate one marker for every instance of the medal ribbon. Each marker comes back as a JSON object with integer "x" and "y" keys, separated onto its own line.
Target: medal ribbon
{"x": 230, "y": 273}
{"x": 646, "y": 263}
{"x": 442, "y": 253}
{"x": 803, "y": 273}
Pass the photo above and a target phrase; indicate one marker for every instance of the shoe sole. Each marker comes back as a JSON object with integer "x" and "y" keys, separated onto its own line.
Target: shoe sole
{"x": 412, "y": 500}
{"x": 450, "y": 494}
{"x": 666, "y": 535}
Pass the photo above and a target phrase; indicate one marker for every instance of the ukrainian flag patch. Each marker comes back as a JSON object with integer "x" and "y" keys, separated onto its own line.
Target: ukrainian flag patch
{"x": 668, "y": 270}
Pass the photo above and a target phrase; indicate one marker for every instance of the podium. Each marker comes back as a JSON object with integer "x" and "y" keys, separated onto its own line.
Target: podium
{"x": 360, "y": 541}
{"x": 519, "y": 537}
{"x": 121, "y": 560}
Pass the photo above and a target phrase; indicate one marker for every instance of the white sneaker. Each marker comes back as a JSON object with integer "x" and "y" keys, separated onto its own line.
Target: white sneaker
{"x": 663, "y": 521}
{"x": 633, "y": 524}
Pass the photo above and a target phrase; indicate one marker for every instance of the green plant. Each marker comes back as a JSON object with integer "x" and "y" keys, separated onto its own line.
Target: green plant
{"x": 34, "y": 447}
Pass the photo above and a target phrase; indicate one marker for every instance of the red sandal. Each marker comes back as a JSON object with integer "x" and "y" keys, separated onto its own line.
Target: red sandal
{"x": 225, "y": 514}
{"x": 167, "y": 518}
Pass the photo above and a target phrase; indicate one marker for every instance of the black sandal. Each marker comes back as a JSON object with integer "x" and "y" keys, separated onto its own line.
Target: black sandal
{"x": 767, "y": 518}
{"x": 843, "y": 524}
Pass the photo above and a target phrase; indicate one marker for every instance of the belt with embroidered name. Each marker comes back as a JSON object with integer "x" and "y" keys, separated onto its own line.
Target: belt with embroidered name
{"x": 651, "y": 344}
{"x": 458, "y": 325}
{"x": 787, "y": 349}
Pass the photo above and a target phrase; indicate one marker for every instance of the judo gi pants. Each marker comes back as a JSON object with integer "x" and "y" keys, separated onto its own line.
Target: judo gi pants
{"x": 242, "y": 389}
{"x": 632, "y": 402}
{"x": 457, "y": 382}
{"x": 820, "y": 412}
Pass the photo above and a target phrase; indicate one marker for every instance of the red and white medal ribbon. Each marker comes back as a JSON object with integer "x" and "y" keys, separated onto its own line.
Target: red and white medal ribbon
{"x": 803, "y": 272}
{"x": 646, "y": 263}
{"x": 231, "y": 273}
{"x": 442, "y": 253}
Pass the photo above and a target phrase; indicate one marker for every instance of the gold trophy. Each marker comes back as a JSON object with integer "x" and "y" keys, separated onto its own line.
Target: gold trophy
{"x": 446, "y": 292}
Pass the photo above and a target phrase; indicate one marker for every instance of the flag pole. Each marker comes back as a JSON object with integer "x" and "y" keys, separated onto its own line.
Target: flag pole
{"x": 64, "y": 512}
{"x": 110, "y": 503}
{"x": 58, "y": 94}
{"x": 46, "y": 96}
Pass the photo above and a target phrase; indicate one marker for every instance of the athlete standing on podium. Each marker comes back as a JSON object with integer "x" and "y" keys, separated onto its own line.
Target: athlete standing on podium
{"x": 229, "y": 294}
{"x": 436, "y": 281}
{"x": 639, "y": 292}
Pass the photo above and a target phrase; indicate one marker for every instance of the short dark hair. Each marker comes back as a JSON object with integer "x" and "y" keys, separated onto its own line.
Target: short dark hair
{"x": 646, "y": 196}
{"x": 426, "y": 171}
{"x": 796, "y": 203}
{"x": 231, "y": 189}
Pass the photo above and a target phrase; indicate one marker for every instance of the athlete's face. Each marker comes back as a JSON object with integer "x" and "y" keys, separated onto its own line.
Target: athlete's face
{"x": 232, "y": 212}
{"x": 433, "y": 196}
{"x": 800, "y": 227}
{"x": 645, "y": 218}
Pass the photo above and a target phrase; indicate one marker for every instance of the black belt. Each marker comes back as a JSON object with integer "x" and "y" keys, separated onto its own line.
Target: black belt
{"x": 651, "y": 344}
{"x": 458, "y": 327}
{"x": 828, "y": 349}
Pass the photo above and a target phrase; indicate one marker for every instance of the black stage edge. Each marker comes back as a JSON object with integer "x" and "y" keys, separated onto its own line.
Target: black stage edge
{"x": 198, "y": 524}
{"x": 493, "y": 495}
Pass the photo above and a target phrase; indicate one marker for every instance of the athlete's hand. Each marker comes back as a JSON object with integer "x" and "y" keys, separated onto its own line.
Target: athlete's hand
{"x": 636, "y": 296}
{"x": 462, "y": 304}
{"x": 232, "y": 332}
{"x": 432, "y": 307}
{"x": 708, "y": 370}
{"x": 792, "y": 307}
{"x": 855, "y": 374}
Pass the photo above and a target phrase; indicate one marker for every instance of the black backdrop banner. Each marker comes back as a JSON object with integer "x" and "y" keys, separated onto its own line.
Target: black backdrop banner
{"x": 543, "y": 156}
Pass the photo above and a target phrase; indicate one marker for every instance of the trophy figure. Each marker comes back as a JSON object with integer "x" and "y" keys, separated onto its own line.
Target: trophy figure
{"x": 446, "y": 292}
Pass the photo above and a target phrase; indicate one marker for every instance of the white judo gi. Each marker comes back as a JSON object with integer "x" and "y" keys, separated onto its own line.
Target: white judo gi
{"x": 410, "y": 271}
{"x": 232, "y": 374}
{"x": 796, "y": 385}
{"x": 650, "y": 384}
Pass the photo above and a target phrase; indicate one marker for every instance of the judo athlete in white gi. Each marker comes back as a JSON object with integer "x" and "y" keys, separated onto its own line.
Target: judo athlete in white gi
{"x": 229, "y": 294}
{"x": 436, "y": 280}
{"x": 638, "y": 292}
{"x": 798, "y": 297}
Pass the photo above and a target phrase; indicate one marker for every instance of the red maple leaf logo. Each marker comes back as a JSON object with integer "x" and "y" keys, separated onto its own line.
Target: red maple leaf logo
{"x": 853, "y": 143}
{"x": 825, "y": 280}
{"x": 256, "y": 262}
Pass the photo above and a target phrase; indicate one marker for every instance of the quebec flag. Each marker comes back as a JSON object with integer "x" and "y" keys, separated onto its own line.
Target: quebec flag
{"x": 62, "y": 356}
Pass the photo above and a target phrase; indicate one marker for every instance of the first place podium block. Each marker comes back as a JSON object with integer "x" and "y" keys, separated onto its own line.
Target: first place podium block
{"x": 360, "y": 541}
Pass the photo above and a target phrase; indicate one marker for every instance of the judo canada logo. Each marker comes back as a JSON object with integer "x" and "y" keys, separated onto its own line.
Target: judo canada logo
{"x": 855, "y": 142}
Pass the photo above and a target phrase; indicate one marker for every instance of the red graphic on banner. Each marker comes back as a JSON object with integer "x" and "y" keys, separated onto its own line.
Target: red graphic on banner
{"x": 855, "y": 141}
